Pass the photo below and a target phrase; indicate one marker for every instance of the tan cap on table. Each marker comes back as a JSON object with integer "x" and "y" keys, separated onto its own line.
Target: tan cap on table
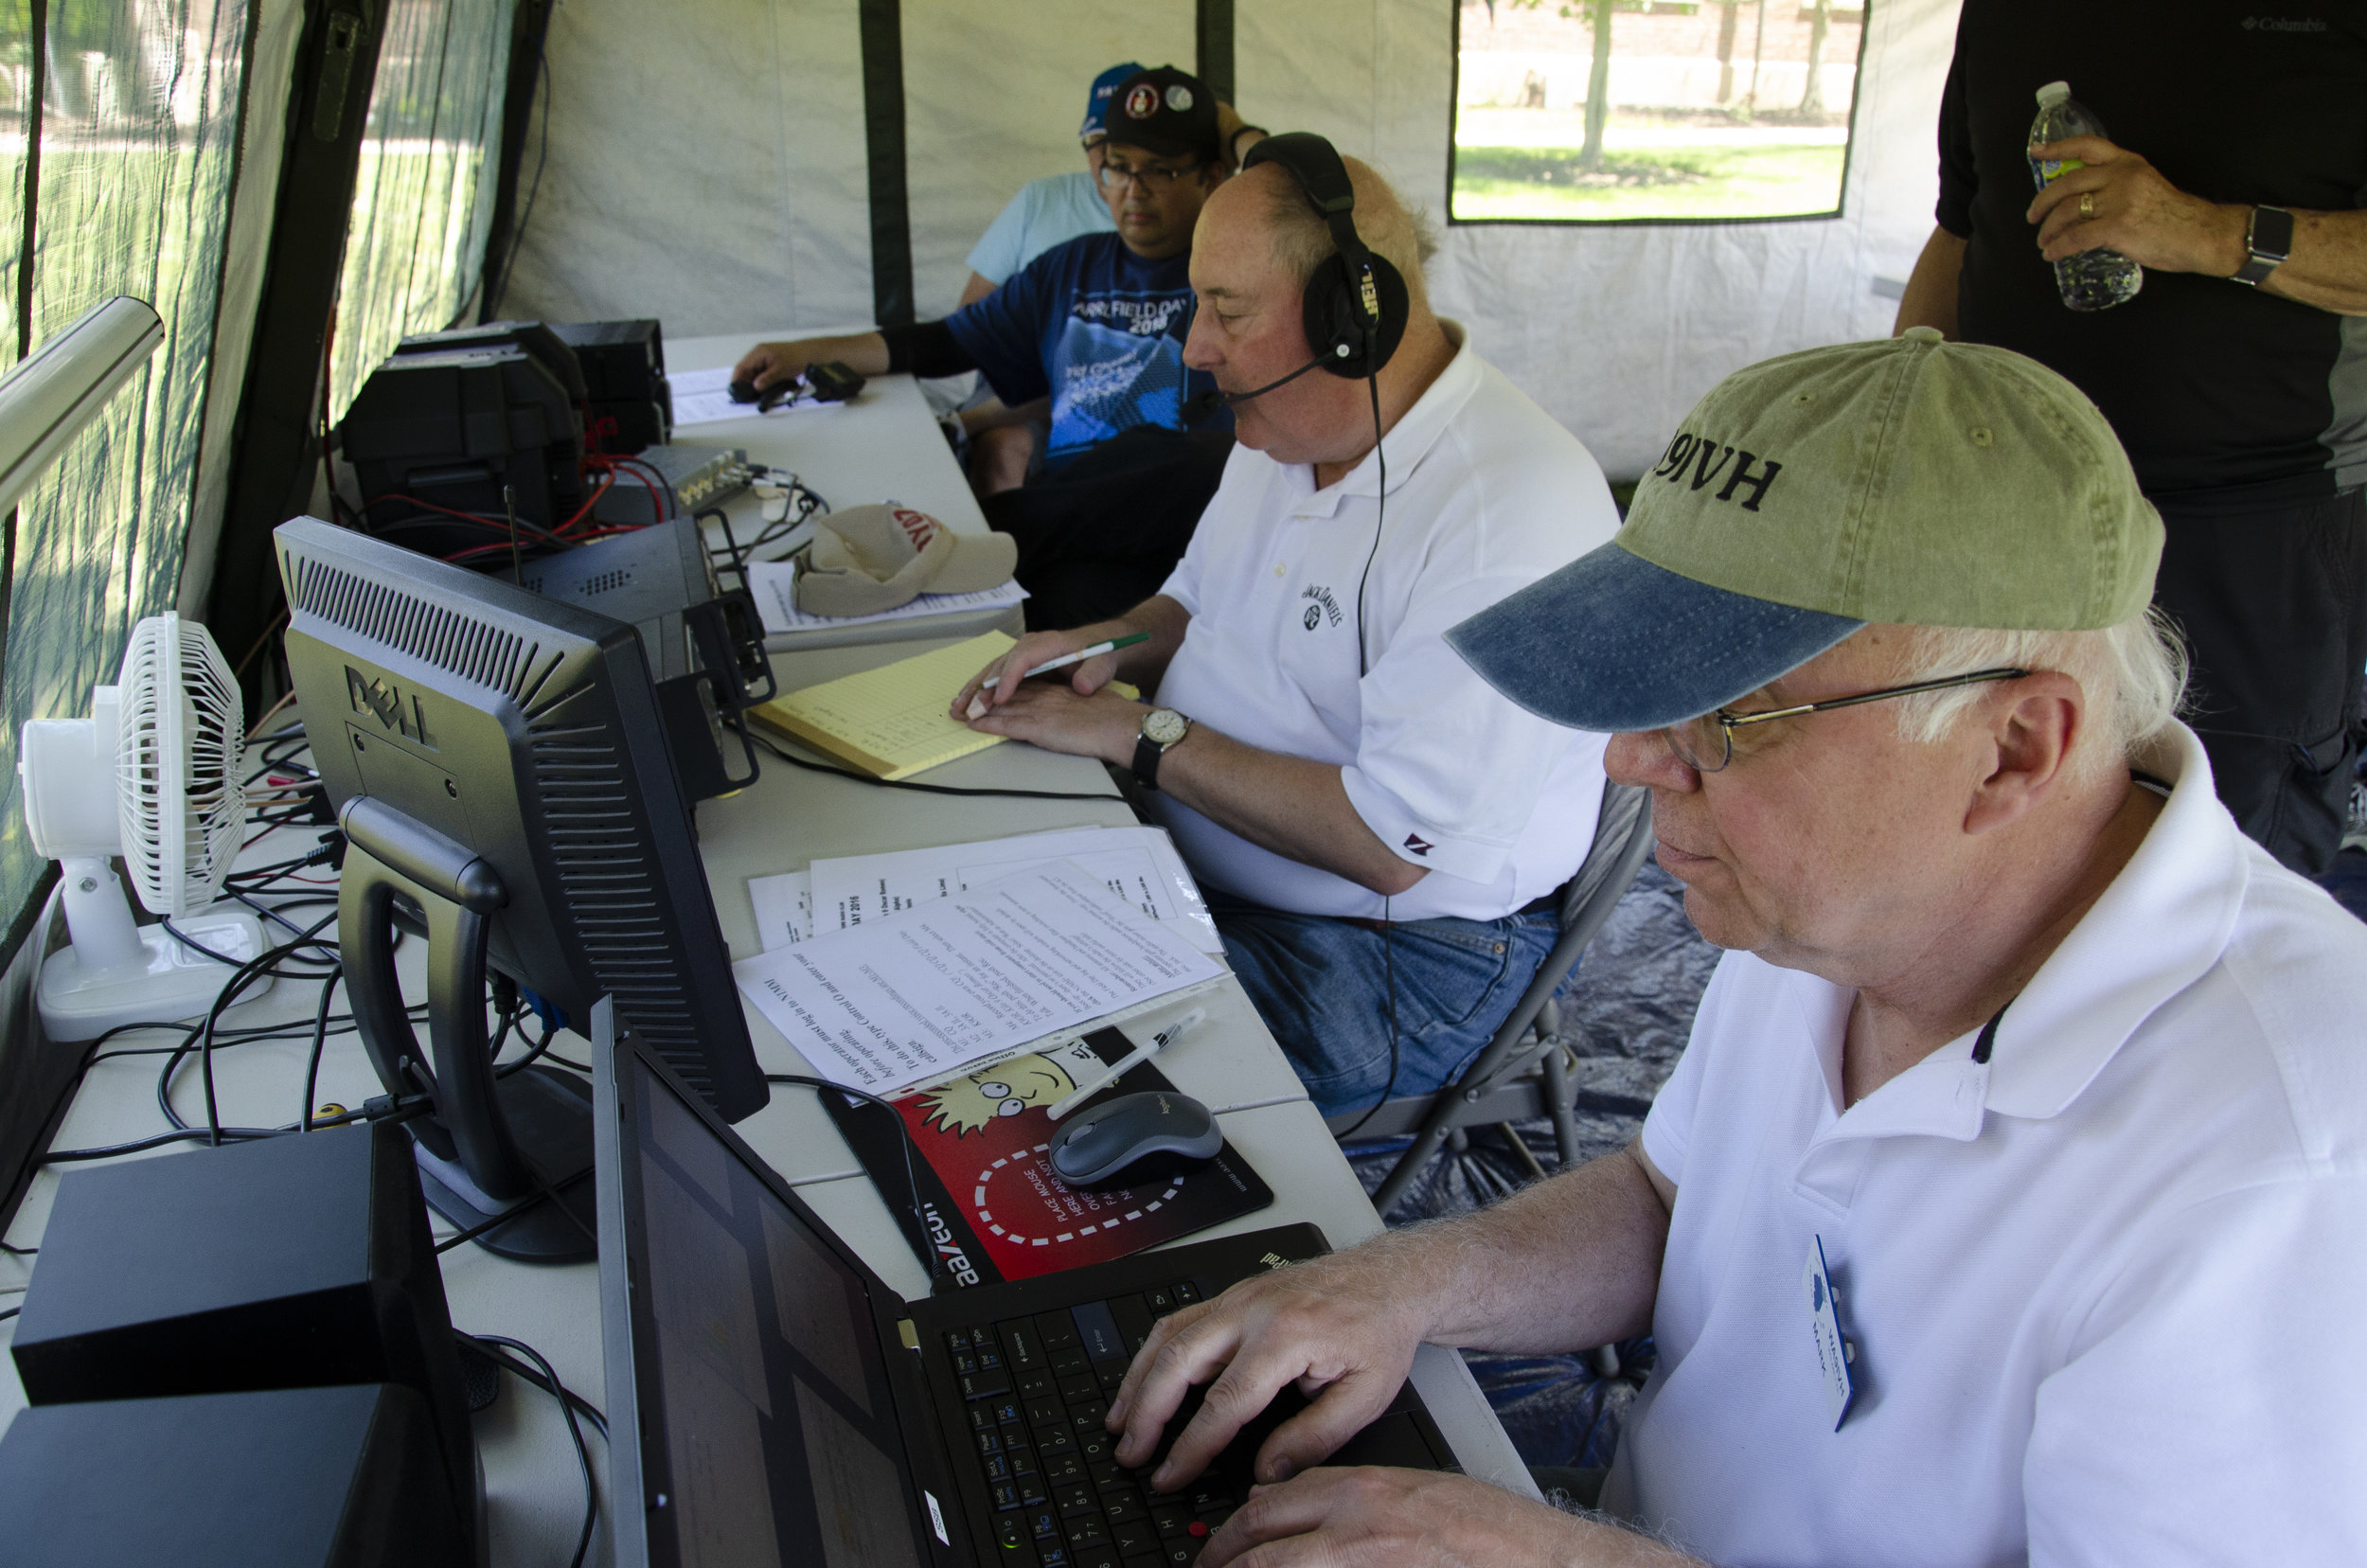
{"x": 868, "y": 559}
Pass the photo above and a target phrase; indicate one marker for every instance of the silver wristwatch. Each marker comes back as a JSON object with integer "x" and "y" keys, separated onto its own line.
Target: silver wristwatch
{"x": 2268, "y": 240}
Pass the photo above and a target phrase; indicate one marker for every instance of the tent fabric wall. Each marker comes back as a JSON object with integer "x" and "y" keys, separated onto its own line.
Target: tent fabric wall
{"x": 137, "y": 140}
{"x": 275, "y": 28}
{"x": 712, "y": 173}
{"x": 704, "y": 165}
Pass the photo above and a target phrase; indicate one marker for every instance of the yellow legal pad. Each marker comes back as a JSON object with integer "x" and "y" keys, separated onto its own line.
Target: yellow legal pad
{"x": 892, "y": 720}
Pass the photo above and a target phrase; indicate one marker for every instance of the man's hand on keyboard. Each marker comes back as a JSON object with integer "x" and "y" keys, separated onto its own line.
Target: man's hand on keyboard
{"x": 1344, "y": 1328}
{"x": 1374, "y": 1517}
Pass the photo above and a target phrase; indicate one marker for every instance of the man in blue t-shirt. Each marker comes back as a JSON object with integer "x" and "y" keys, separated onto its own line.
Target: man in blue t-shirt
{"x": 1056, "y": 208}
{"x": 1097, "y": 325}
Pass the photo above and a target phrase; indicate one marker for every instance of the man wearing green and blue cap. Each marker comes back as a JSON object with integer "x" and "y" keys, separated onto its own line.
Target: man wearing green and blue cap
{"x": 2005, "y": 1205}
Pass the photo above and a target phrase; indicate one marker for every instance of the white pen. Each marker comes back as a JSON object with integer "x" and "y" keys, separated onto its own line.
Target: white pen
{"x": 1127, "y": 1063}
{"x": 1079, "y": 657}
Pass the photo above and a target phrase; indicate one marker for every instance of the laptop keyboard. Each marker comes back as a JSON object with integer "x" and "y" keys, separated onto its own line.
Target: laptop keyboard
{"x": 1035, "y": 1391}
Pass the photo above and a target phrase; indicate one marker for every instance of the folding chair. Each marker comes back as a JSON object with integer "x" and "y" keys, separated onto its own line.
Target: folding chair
{"x": 1523, "y": 1073}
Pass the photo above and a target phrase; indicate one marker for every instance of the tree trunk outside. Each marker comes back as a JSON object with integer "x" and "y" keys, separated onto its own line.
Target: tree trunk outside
{"x": 1597, "y": 85}
{"x": 1813, "y": 97}
{"x": 1726, "y": 48}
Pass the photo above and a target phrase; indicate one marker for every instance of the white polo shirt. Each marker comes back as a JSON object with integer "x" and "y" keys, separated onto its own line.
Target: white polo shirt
{"x": 2107, "y": 1292}
{"x": 1486, "y": 494}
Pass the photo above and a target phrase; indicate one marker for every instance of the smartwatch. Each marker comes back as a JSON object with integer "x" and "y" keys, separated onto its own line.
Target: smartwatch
{"x": 1161, "y": 728}
{"x": 2268, "y": 240}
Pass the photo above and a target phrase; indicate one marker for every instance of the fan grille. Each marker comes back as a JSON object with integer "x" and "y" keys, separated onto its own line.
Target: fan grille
{"x": 179, "y": 798}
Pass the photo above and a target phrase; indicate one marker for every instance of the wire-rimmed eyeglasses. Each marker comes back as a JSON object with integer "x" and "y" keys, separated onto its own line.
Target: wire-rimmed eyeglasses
{"x": 1706, "y": 743}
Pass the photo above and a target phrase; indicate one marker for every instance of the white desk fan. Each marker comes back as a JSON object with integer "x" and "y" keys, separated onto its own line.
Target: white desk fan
{"x": 151, "y": 776}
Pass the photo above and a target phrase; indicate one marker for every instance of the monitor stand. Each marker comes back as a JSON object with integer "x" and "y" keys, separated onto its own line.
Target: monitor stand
{"x": 549, "y": 1114}
{"x": 519, "y": 1145}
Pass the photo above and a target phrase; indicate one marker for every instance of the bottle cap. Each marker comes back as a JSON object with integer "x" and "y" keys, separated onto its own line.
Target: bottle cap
{"x": 2054, "y": 93}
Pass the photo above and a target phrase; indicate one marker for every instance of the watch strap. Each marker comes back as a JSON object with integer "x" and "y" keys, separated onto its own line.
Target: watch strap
{"x": 1146, "y": 755}
{"x": 2268, "y": 240}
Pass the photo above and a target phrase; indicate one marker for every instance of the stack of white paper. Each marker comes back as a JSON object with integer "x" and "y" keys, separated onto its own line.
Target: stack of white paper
{"x": 920, "y": 995}
{"x": 1139, "y": 864}
{"x": 773, "y": 585}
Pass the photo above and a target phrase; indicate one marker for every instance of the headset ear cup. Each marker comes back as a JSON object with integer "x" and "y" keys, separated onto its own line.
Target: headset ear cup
{"x": 1332, "y": 317}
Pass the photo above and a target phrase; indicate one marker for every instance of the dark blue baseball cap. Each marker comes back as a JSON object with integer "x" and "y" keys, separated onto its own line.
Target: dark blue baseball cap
{"x": 1097, "y": 101}
{"x": 1612, "y": 642}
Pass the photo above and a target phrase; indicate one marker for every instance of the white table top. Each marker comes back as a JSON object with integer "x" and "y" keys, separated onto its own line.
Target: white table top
{"x": 785, "y": 819}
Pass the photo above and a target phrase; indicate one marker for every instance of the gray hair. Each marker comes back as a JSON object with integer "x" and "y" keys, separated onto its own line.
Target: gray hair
{"x": 2132, "y": 674}
{"x": 1401, "y": 235}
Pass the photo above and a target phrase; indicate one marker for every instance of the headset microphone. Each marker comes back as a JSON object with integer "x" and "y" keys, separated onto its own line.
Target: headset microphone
{"x": 1211, "y": 402}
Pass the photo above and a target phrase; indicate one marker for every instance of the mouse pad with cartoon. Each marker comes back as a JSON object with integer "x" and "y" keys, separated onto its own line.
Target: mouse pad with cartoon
{"x": 991, "y": 1209}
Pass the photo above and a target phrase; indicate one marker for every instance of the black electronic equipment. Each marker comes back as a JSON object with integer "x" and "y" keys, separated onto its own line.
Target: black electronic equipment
{"x": 764, "y": 1384}
{"x": 294, "y": 1262}
{"x": 342, "y": 1477}
{"x": 545, "y": 345}
{"x": 629, "y": 405}
{"x": 831, "y": 381}
{"x": 704, "y": 644}
{"x": 1356, "y": 304}
{"x": 448, "y": 446}
{"x": 502, "y": 769}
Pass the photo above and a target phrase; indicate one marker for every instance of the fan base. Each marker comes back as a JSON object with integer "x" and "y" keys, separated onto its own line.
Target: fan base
{"x": 167, "y": 982}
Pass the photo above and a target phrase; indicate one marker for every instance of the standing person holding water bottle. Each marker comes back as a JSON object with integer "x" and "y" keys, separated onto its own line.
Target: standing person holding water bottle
{"x": 2202, "y": 274}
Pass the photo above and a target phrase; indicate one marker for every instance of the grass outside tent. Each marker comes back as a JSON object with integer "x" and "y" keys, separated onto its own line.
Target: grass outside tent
{"x": 1638, "y": 180}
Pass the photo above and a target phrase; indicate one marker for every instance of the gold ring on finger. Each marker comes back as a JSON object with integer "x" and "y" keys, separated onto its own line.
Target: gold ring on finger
{"x": 2087, "y": 204}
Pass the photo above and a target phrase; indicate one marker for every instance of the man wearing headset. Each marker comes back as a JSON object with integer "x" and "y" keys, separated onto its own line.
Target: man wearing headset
{"x": 1379, "y": 833}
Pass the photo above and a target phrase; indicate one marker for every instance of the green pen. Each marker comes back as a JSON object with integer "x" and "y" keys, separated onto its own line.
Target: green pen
{"x": 1079, "y": 657}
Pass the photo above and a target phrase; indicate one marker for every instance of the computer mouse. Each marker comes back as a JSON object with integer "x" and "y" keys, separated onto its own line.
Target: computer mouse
{"x": 1133, "y": 1139}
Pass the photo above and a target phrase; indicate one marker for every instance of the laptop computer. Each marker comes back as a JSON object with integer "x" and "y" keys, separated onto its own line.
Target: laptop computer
{"x": 771, "y": 1400}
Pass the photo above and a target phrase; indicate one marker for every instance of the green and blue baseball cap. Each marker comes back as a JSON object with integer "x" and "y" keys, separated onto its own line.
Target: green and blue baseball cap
{"x": 1910, "y": 480}
{"x": 1097, "y": 101}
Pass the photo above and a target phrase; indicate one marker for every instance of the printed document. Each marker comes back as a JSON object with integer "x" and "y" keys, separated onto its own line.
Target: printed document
{"x": 704, "y": 397}
{"x": 918, "y": 997}
{"x": 773, "y": 585}
{"x": 1139, "y": 864}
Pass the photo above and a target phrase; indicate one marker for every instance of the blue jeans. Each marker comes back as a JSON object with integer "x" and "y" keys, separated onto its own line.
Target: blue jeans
{"x": 1324, "y": 987}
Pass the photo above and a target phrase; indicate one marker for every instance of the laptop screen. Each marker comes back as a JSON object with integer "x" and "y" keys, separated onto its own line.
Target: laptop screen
{"x": 767, "y": 1421}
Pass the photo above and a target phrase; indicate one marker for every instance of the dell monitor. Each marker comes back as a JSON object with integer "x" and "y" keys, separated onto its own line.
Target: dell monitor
{"x": 502, "y": 769}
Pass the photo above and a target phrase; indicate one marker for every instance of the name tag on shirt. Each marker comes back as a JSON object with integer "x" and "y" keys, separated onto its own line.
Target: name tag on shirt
{"x": 1832, "y": 1351}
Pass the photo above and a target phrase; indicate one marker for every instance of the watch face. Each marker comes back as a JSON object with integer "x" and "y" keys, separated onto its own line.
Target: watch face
{"x": 1164, "y": 727}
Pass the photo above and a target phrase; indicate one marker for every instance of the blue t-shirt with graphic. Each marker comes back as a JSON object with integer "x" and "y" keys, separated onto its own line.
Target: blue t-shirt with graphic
{"x": 1101, "y": 330}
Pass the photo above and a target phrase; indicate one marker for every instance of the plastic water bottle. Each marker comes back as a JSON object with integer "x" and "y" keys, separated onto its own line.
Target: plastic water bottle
{"x": 2094, "y": 279}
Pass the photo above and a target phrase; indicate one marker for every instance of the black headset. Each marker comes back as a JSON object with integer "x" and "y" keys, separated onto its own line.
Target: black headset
{"x": 1355, "y": 306}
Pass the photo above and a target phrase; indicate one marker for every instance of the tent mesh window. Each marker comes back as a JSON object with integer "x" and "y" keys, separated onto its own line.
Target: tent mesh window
{"x": 1652, "y": 111}
{"x": 423, "y": 194}
{"x": 133, "y": 108}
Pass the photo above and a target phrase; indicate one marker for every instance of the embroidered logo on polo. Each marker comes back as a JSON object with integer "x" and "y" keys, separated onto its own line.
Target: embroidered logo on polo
{"x": 1699, "y": 461}
{"x": 1321, "y": 608}
{"x": 1419, "y": 845}
{"x": 2284, "y": 24}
